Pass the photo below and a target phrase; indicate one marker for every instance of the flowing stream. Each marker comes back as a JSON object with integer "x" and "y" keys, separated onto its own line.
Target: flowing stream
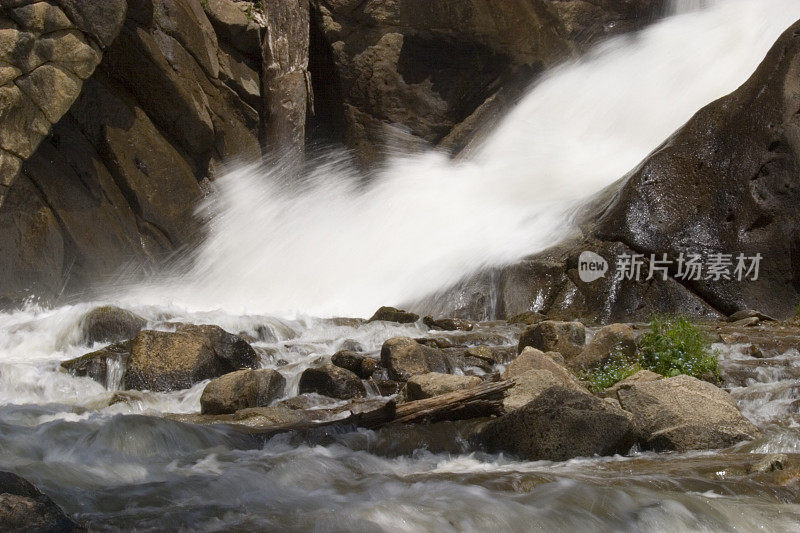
{"x": 276, "y": 260}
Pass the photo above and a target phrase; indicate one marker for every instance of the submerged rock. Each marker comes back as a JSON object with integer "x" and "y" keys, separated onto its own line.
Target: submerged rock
{"x": 96, "y": 365}
{"x": 404, "y": 357}
{"x": 163, "y": 360}
{"x": 361, "y": 365}
{"x": 685, "y": 413}
{"x": 240, "y": 390}
{"x": 614, "y": 340}
{"x": 561, "y": 424}
{"x": 333, "y": 381}
{"x": 566, "y": 338}
{"x": 448, "y": 324}
{"x": 110, "y": 324}
{"x": 24, "y": 508}
{"x": 434, "y": 383}
{"x": 391, "y": 314}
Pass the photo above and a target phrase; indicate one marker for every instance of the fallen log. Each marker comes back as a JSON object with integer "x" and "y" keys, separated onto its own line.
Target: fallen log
{"x": 476, "y": 402}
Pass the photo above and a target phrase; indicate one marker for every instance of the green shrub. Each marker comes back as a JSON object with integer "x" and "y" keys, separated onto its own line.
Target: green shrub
{"x": 615, "y": 369}
{"x": 675, "y": 346}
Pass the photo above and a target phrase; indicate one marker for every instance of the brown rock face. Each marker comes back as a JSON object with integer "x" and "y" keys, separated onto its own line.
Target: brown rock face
{"x": 240, "y": 390}
{"x": 685, "y": 413}
{"x": 96, "y": 364}
{"x": 566, "y": 338}
{"x": 162, "y": 360}
{"x": 110, "y": 324}
{"x": 412, "y": 71}
{"x": 177, "y": 92}
{"x": 559, "y": 425}
{"x": 24, "y": 508}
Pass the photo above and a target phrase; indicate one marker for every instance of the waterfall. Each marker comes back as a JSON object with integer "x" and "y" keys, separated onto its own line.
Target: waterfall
{"x": 331, "y": 245}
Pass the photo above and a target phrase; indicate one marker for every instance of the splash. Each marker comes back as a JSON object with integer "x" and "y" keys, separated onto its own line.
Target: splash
{"x": 330, "y": 245}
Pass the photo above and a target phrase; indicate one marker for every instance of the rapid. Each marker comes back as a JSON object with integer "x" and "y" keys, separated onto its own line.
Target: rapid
{"x": 279, "y": 260}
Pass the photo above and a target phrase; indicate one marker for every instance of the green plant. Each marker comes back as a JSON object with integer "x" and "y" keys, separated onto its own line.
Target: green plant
{"x": 615, "y": 369}
{"x": 675, "y": 346}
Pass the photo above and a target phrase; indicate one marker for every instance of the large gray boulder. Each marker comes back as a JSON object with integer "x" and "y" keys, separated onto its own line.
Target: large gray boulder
{"x": 240, "y": 390}
{"x": 109, "y": 323}
{"x": 561, "y": 424}
{"x": 685, "y": 413}
{"x": 24, "y": 508}
{"x": 404, "y": 357}
{"x": 164, "y": 360}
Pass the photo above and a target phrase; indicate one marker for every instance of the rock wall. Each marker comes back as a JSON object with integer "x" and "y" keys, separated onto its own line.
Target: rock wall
{"x": 47, "y": 51}
{"x": 727, "y": 183}
{"x": 428, "y": 72}
{"x": 115, "y": 183}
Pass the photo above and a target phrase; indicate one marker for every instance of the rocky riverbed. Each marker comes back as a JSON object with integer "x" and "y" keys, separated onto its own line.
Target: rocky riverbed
{"x": 189, "y": 450}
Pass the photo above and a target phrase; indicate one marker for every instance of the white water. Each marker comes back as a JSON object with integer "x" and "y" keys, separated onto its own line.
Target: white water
{"x": 329, "y": 247}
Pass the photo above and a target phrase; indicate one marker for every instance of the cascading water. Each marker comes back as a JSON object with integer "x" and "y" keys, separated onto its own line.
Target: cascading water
{"x": 332, "y": 246}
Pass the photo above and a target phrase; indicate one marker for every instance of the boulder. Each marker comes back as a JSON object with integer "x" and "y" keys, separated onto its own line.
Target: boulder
{"x": 530, "y": 384}
{"x": 110, "y": 324}
{"x": 685, "y": 413}
{"x": 100, "y": 364}
{"x": 163, "y": 360}
{"x": 404, "y": 357}
{"x": 240, "y": 390}
{"x": 24, "y": 508}
{"x": 361, "y": 365}
{"x": 533, "y": 359}
{"x": 641, "y": 376}
{"x": 431, "y": 384}
{"x": 614, "y": 340}
{"x": 561, "y": 424}
{"x": 566, "y": 338}
{"x": 528, "y": 318}
{"x": 448, "y": 324}
{"x": 333, "y": 381}
{"x": 391, "y": 314}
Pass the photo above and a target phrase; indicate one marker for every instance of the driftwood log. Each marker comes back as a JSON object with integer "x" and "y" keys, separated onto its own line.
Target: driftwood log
{"x": 476, "y": 402}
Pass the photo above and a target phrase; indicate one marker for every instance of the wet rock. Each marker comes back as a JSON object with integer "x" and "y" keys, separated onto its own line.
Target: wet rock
{"x": 351, "y": 345}
{"x": 614, "y": 340}
{"x": 528, "y": 318}
{"x": 333, "y": 381}
{"x": 162, "y": 360}
{"x": 769, "y": 463}
{"x": 685, "y": 413}
{"x": 433, "y": 384}
{"x": 361, "y": 365}
{"x": 240, "y": 390}
{"x": 448, "y": 324}
{"x": 561, "y": 424}
{"x": 391, "y": 314}
{"x": 566, "y": 338}
{"x": 309, "y": 400}
{"x": 386, "y": 387}
{"x": 96, "y": 364}
{"x": 24, "y": 508}
{"x": 754, "y": 351}
{"x": 641, "y": 376}
{"x": 110, "y": 324}
{"x": 746, "y": 322}
{"x": 404, "y": 357}
{"x": 749, "y": 313}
